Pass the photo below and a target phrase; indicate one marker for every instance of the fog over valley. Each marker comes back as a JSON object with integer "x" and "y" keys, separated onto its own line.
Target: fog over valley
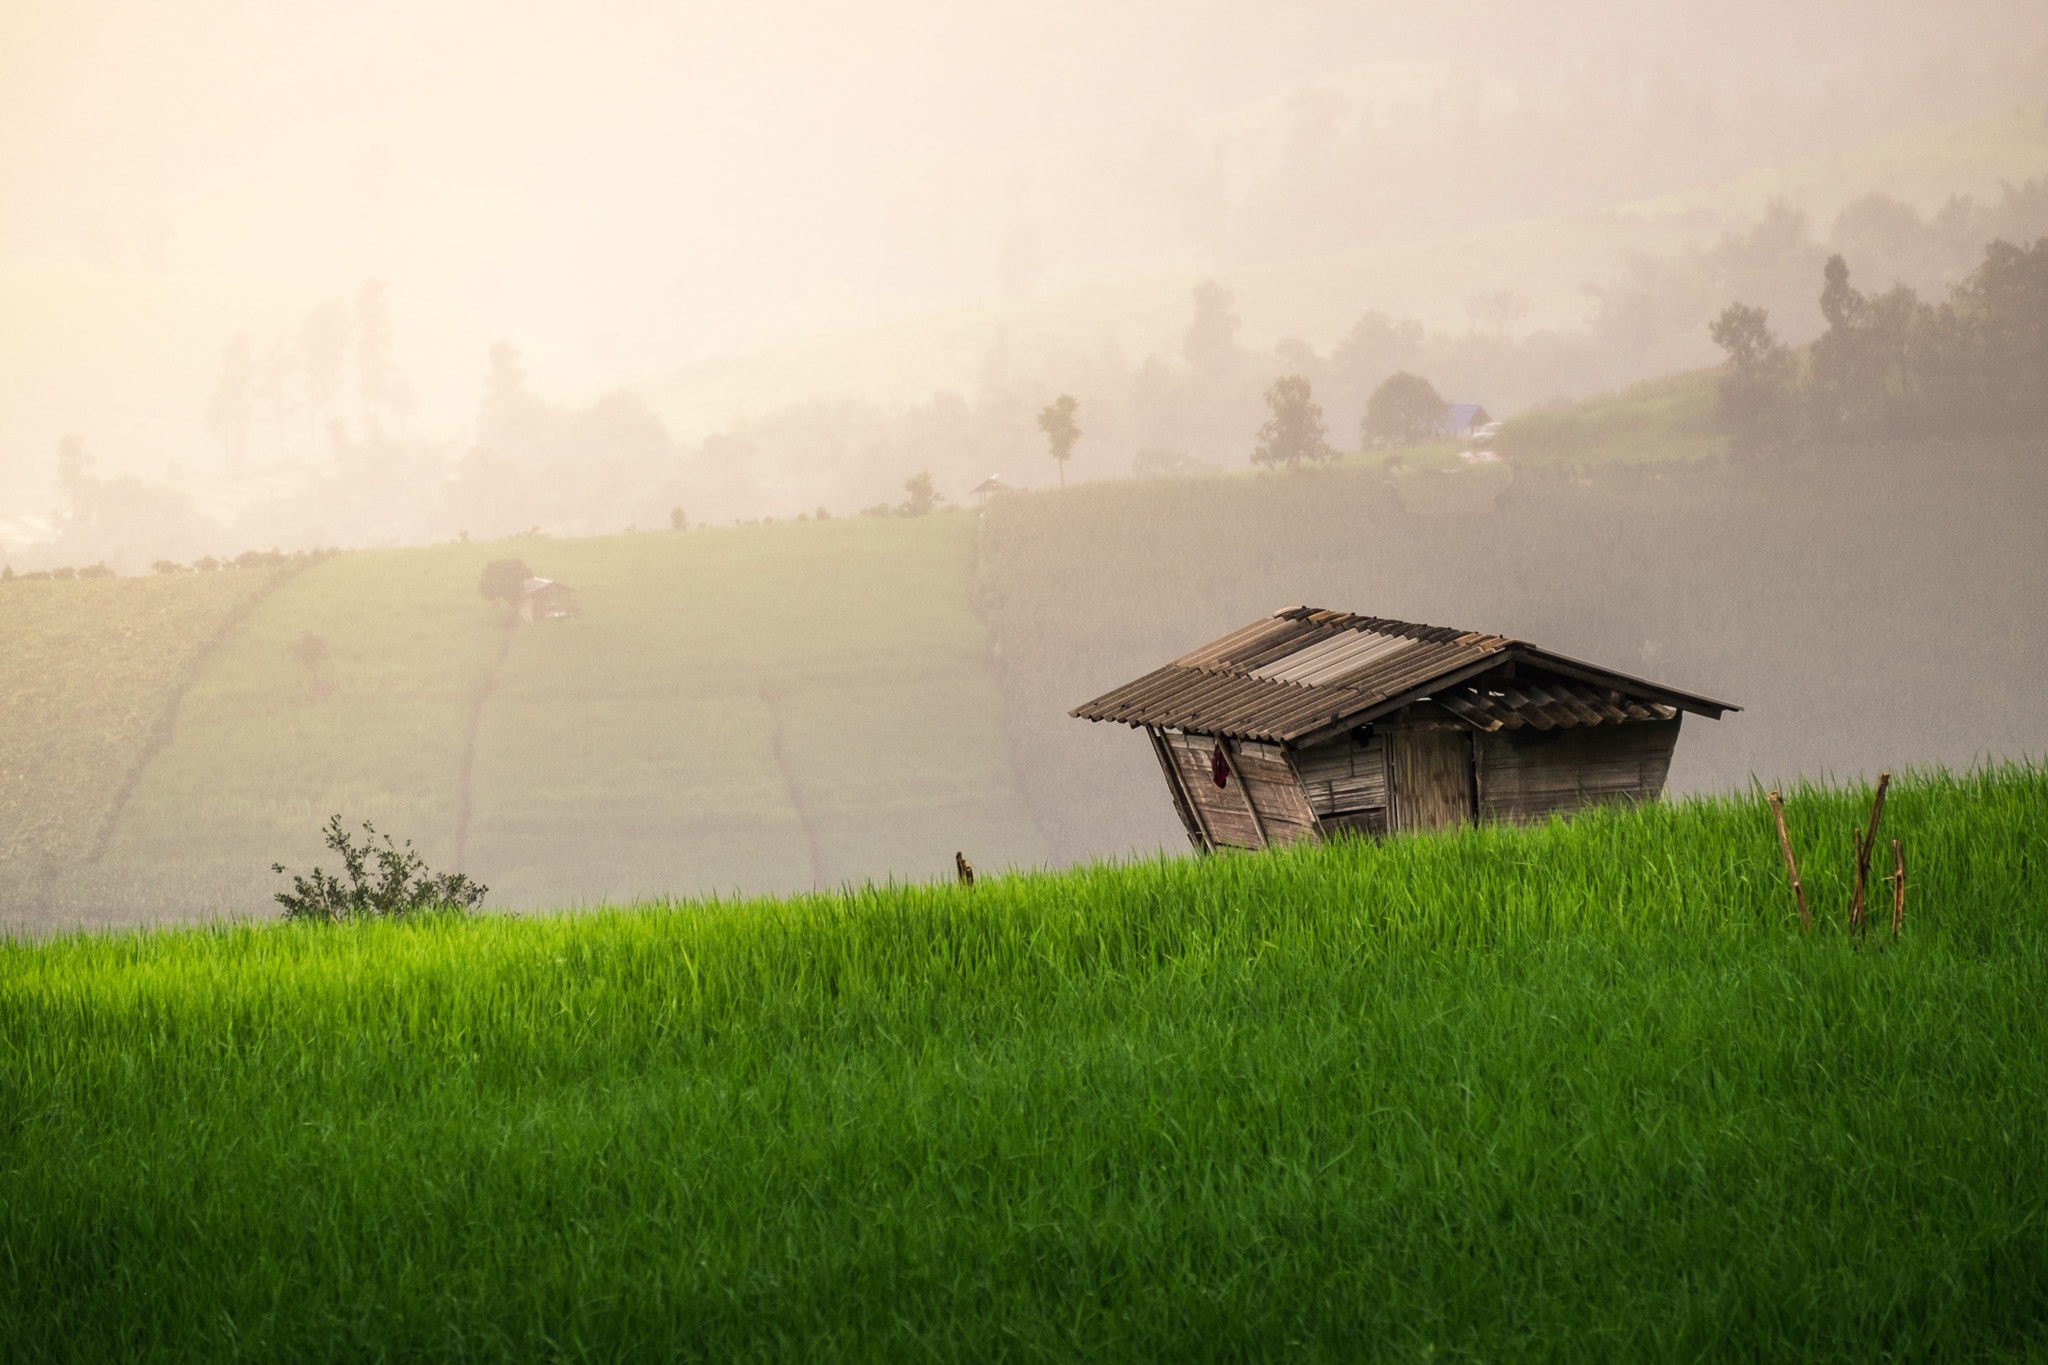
{"x": 638, "y": 198}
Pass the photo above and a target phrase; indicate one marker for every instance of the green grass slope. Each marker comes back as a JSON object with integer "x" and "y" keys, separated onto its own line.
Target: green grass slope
{"x": 1658, "y": 421}
{"x": 89, "y": 672}
{"x": 259, "y": 761}
{"x": 767, "y": 709}
{"x": 1579, "y": 1092}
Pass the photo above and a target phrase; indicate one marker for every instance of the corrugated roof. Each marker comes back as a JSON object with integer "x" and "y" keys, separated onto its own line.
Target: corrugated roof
{"x": 1305, "y": 669}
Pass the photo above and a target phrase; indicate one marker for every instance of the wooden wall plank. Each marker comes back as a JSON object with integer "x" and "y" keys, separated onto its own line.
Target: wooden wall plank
{"x": 1431, "y": 773}
{"x": 1175, "y": 784}
{"x": 1526, "y": 776}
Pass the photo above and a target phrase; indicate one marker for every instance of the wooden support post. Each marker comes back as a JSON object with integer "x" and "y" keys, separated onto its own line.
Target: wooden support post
{"x": 1864, "y": 843}
{"x": 1244, "y": 789}
{"x": 1191, "y": 812}
{"x": 1898, "y": 887}
{"x": 1791, "y": 868}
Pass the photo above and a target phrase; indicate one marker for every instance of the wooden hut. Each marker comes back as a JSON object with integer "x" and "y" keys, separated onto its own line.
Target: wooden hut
{"x": 1310, "y": 722}
{"x": 544, "y": 599}
{"x": 989, "y": 487}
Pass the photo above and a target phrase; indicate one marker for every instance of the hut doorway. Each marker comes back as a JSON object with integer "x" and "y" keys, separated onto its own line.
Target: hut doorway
{"x": 1431, "y": 775}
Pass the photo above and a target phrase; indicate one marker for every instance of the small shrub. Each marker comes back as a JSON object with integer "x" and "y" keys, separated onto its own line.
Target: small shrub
{"x": 402, "y": 884}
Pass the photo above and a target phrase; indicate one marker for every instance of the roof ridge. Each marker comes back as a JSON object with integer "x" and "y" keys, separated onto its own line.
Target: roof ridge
{"x": 1379, "y": 625}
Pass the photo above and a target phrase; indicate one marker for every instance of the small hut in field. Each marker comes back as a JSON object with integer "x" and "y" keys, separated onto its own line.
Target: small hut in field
{"x": 989, "y": 487}
{"x": 544, "y": 599}
{"x": 1311, "y": 722}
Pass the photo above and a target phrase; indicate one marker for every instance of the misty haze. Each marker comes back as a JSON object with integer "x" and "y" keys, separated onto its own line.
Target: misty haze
{"x": 672, "y": 491}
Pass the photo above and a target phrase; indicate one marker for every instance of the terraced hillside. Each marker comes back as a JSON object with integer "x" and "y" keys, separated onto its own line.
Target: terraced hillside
{"x": 767, "y": 708}
{"x": 801, "y": 704}
{"x": 90, "y": 670}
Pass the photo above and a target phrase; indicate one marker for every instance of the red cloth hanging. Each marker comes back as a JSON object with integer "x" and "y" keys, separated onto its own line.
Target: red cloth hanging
{"x": 1219, "y": 766}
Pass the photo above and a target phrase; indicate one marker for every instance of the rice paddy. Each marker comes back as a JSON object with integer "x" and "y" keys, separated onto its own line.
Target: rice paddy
{"x": 1584, "y": 1091}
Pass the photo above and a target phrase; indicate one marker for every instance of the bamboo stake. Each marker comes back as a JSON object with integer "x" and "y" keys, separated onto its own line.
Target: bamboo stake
{"x": 1898, "y": 887}
{"x": 1856, "y": 867}
{"x": 1791, "y": 868}
{"x": 1864, "y": 844}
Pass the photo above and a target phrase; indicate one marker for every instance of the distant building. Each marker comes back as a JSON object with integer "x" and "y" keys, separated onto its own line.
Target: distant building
{"x": 1464, "y": 420}
{"x": 543, "y": 599}
{"x": 990, "y": 486}
{"x": 1310, "y": 722}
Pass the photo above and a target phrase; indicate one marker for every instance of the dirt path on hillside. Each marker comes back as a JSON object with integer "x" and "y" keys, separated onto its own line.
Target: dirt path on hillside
{"x": 796, "y": 796}
{"x": 476, "y": 715}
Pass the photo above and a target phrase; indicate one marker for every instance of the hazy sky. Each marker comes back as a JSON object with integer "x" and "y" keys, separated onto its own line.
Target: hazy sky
{"x": 622, "y": 187}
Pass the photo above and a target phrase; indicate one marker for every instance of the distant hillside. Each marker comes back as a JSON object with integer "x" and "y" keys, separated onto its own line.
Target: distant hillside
{"x": 1868, "y": 609}
{"x": 90, "y": 672}
{"x": 774, "y": 707}
{"x": 769, "y": 708}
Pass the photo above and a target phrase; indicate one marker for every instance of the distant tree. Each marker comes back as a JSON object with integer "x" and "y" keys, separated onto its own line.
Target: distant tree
{"x": 311, "y": 652}
{"x": 922, "y": 498}
{"x": 234, "y": 400}
{"x": 1877, "y": 369}
{"x": 1752, "y": 401}
{"x": 2004, "y": 302}
{"x": 379, "y": 389}
{"x": 511, "y": 419}
{"x": 1404, "y": 409}
{"x": 1210, "y": 346}
{"x": 503, "y": 580}
{"x": 1376, "y": 347}
{"x": 1056, "y": 420}
{"x": 323, "y": 345}
{"x": 676, "y": 520}
{"x": 77, "y": 483}
{"x": 274, "y": 374}
{"x": 1295, "y": 431}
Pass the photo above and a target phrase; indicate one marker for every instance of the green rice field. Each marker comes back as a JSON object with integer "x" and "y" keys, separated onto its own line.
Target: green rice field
{"x": 1584, "y": 1091}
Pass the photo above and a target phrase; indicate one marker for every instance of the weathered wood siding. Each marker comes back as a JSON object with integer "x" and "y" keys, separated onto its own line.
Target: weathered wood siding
{"x": 1344, "y": 776}
{"x": 1527, "y": 775}
{"x": 1170, "y": 770}
{"x": 1431, "y": 776}
{"x": 1258, "y": 771}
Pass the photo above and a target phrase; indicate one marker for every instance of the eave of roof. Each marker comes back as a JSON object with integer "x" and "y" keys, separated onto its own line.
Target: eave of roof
{"x": 1296, "y": 677}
